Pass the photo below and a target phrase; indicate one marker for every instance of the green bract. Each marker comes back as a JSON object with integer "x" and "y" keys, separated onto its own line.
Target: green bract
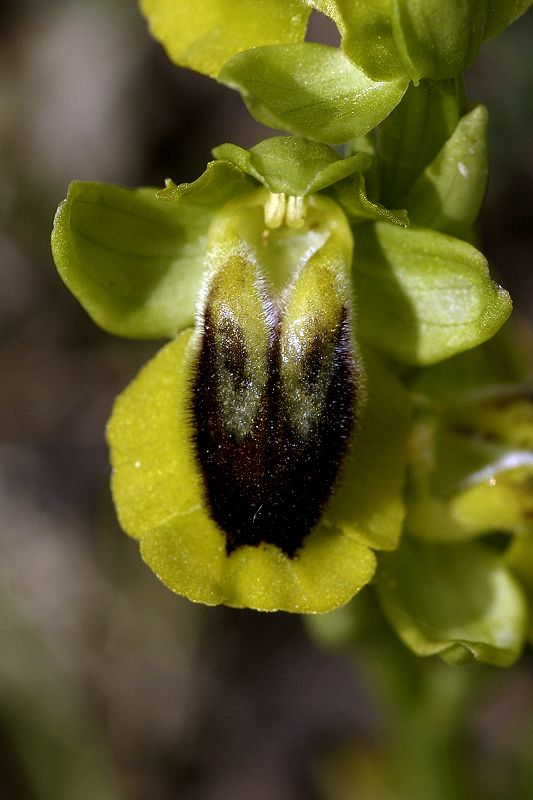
{"x": 412, "y": 137}
{"x": 439, "y": 38}
{"x": 448, "y": 195}
{"x": 423, "y": 273}
{"x": 321, "y": 92}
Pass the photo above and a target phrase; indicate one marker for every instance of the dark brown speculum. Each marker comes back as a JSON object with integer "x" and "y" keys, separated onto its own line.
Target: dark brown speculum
{"x": 270, "y": 477}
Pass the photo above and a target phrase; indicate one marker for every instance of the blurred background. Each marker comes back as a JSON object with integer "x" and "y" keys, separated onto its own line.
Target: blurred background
{"x": 111, "y": 687}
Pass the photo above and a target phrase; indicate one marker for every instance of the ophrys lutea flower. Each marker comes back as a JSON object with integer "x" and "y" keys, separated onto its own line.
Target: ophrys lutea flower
{"x": 259, "y": 457}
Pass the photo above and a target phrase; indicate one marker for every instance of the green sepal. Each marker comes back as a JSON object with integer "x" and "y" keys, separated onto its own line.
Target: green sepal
{"x": 293, "y": 165}
{"x": 459, "y": 601}
{"x": 134, "y": 261}
{"x": 158, "y": 492}
{"x": 203, "y": 34}
{"x": 448, "y": 195}
{"x": 422, "y": 295}
{"x": 411, "y": 137}
{"x": 312, "y": 90}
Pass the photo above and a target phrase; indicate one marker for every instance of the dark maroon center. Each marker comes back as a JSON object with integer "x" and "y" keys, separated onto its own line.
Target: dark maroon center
{"x": 272, "y": 484}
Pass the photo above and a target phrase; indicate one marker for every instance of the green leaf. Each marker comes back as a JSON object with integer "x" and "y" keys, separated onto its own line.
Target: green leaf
{"x": 455, "y": 600}
{"x": 411, "y": 137}
{"x": 312, "y": 90}
{"x": 158, "y": 492}
{"x": 203, "y": 34}
{"x": 134, "y": 261}
{"x": 448, "y": 195}
{"x": 422, "y": 295}
{"x": 293, "y": 165}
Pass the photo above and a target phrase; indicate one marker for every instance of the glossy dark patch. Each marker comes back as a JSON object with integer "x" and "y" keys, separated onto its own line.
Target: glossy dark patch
{"x": 272, "y": 483}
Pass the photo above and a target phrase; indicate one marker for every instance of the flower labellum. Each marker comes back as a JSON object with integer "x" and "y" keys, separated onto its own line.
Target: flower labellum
{"x": 275, "y": 389}
{"x": 259, "y": 457}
